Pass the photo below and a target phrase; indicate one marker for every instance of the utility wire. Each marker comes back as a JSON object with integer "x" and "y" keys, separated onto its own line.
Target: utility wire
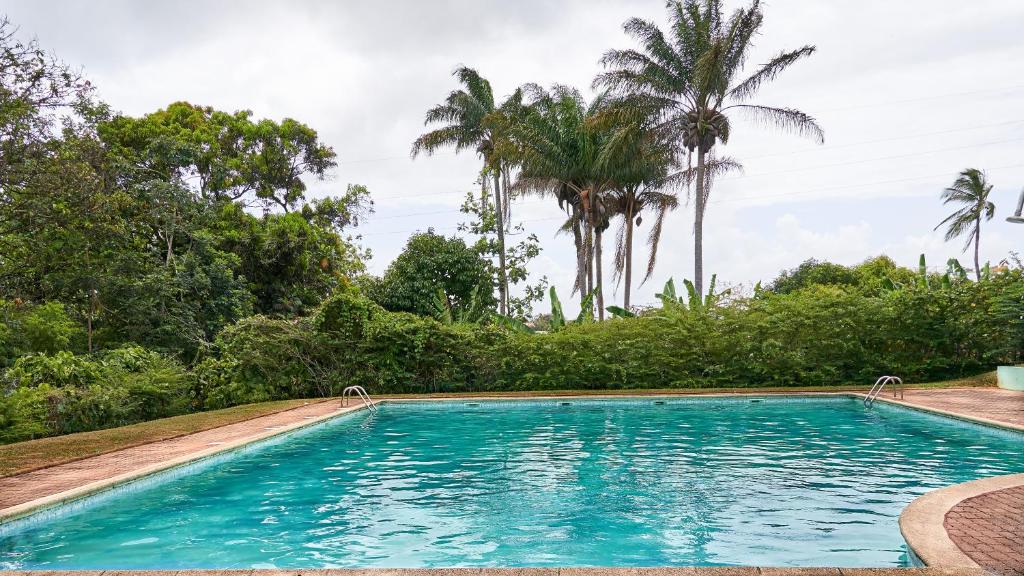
{"x": 755, "y": 175}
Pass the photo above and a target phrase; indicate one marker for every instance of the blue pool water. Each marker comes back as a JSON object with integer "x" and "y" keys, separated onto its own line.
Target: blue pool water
{"x": 773, "y": 481}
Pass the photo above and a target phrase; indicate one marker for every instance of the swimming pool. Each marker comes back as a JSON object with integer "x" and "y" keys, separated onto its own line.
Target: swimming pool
{"x": 772, "y": 481}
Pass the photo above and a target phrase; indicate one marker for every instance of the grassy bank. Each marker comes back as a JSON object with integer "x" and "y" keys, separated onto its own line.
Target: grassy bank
{"x": 31, "y": 455}
{"x": 35, "y": 454}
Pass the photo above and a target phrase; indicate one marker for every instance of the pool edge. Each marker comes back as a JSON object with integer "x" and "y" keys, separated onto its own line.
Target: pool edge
{"x": 922, "y": 522}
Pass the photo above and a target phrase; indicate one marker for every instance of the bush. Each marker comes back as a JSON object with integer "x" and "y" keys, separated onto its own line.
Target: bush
{"x": 818, "y": 335}
{"x": 49, "y": 394}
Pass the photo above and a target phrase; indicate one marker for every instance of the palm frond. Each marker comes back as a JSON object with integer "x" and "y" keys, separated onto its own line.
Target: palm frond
{"x": 768, "y": 72}
{"x": 787, "y": 119}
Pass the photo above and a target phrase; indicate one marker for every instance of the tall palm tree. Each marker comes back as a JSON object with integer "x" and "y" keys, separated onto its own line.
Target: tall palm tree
{"x": 557, "y": 149}
{"x": 642, "y": 165}
{"x": 689, "y": 81}
{"x": 971, "y": 189}
{"x": 470, "y": 119}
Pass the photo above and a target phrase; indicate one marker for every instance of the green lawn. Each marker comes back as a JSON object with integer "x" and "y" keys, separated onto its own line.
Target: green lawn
{"x": 34, "y": 454}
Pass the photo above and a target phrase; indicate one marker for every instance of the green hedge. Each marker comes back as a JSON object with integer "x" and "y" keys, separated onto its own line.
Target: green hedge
{"x": 819, "y": 335}
{"x": 816, "y": 335}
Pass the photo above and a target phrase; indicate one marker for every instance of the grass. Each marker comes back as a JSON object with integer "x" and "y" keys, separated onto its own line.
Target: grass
{"x": 22, "y": 457}
{"x": 35, "y": 454}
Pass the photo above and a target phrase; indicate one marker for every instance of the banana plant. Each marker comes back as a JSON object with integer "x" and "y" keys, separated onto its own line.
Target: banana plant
{"x": 471, "y": 313}
{"x": 693, "y": 300}
{"x": 558, "y": 320}
{"x": 955, "y": 273}
{"x": 620, "y": 312}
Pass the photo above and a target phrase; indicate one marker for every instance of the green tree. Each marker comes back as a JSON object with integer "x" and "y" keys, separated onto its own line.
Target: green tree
{"x": 431, "y": 262}
{"x": 970, "y": 191}
{"x": 37, "y": 90}
{"x": 470, "y": 118}
{"x": 557, "y": 146}
{"x": 517, "y": 255}
{"x": 688, "y": 81}
{"x": 813, "y": 272}
{"x": 233, "y": 156}
{"x": 643, "y": 162}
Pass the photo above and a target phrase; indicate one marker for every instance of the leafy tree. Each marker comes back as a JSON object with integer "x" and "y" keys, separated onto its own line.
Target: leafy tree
{"x": 289, "y": 262}
{"x": 813, "y": 272}
{"x": 688, "y": 82}
{"x": 971, "y": 191}
{"x": 517, "y": 256}
{"x": 431, "y": 262}
{"x": 470, "y": 117}
{"x": 232, "y": 156}
{"x": 36, "y": 91}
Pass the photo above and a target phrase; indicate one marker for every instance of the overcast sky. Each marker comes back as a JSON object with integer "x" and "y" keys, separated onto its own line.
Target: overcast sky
{"x": 908, "y": 92}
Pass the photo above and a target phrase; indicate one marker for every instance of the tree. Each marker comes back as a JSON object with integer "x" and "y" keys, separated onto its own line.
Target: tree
{"x": 971, "y": 190}
{"x": 429, "y": 263}
{"x": 557, "y": 147}
{"x": 36, "y": 91}
{"x": 231, "y": 156}
{"x": 471, "y": 119}
{"x": 518, "y": 255}
{"x": 642, "y": 163}
{"x": 687, "y": 82}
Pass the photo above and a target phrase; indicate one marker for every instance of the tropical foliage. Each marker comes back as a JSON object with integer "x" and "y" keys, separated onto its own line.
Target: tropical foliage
{"x": 688, "y": 81}
{"x": 169, "y": 262}
{"x": 971, "y": 191}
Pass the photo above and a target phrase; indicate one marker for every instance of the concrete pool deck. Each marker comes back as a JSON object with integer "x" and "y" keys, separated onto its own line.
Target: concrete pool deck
{"x": 1000, "y": 551}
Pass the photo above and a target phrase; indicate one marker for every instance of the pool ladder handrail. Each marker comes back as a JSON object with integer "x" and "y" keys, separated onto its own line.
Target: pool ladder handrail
{"x": 358, "y": 391}
{"x": 876, "y": 389}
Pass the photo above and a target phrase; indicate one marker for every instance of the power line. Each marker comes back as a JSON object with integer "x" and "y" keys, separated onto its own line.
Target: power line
{"x": 925, "y": 98}
{"x": 756, "y": 175}
{"x": 739, "y": 199}
{"x": 828, "y": 148}
{"x": 822, "y": 148}
{"x": 843, "y": 187}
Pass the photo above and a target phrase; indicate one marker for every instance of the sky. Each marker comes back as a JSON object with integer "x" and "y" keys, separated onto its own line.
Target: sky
{"x": 908, "y": 93}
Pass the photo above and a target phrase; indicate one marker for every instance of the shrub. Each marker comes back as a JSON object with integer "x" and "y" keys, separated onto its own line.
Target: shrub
{"x": 48, "y": 394}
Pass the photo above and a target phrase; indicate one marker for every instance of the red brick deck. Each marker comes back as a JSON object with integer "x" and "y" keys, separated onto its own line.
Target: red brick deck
{"x": 995, "y": 404}
{"x": 990, "y": 529}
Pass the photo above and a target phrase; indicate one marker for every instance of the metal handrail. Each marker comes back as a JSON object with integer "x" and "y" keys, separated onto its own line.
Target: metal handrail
{"x": 876, "y": 389}
{"x": 358, "y": 391}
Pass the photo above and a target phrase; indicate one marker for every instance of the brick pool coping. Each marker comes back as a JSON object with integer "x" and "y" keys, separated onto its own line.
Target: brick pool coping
{"x": 924, "y": 528}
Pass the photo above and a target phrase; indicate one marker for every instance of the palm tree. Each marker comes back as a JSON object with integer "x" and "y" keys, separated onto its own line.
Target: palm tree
{"x": 470, "y": 119}
{"x": 971, "y": 189}
{"x": 687, "y": 82}
{"x": 642, "y": 164}
{"x": 557, "y": 149}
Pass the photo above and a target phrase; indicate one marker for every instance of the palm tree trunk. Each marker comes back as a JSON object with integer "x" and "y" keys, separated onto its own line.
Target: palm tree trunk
{"x": 629, "y": 254}
{"x": 500, "y": 225}
{"x": 581, "y": 265}
{"x": 597, "y": 274}
{"x": 588, "y": 247}
{"x": 698, "y": 226}
{"x": 977, "y": 250}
